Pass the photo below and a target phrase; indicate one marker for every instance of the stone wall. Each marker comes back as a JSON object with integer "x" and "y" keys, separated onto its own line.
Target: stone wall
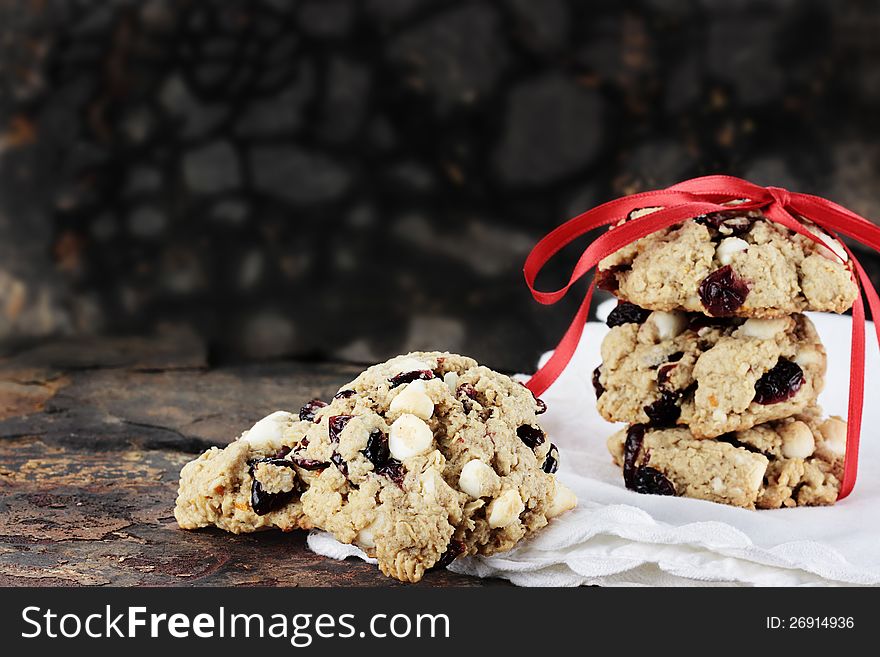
{"x": 342, "y": 179}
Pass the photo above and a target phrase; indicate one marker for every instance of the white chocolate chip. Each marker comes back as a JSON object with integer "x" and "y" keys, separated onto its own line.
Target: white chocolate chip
{"x": 763, "y": 329}
{"x": 717, "y": 485}
{"x": 797, "y": 440}
{"x": 756, "y": 477}
{"x": 834, "y": 250}
{"x": 409, "y": 436}
{"x": 727, "y": 247}
{"x": 413, "y": 399}
{"x": 807, "y": 357}
{"x": 669, "y": 325}
{"x": 408, "y": 364}
{"x": 366, "y": 537}
{"x": 564, "y": 500}
{"x": 451, "y": 381}
{"x": 478, "y": 479}
{"x": 505, "y": 509}
{"x": 268, "y": 432}
{"x": 833, "y": 432}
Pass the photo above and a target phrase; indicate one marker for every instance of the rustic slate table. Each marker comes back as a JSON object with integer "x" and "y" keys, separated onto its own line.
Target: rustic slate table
{"x": 92, "y": 437}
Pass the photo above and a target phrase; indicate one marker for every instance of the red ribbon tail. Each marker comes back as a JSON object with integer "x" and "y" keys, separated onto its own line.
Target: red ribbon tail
{"x": 551, "y": 370}
{"x": 857, "y": 376}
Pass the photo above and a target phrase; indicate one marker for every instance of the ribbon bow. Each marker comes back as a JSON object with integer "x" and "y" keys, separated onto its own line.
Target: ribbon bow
{"x": 689, "y": 199}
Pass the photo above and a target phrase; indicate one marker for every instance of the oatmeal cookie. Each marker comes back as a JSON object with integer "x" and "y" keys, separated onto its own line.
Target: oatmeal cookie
{"x": 434, "y": 457}
{"x": 419, "y": 460}
{"x": 731, "y": 263}
{"x": 251, "y": 484}
{"x": 797, "y": 461}
{"x": 712, "y": 375}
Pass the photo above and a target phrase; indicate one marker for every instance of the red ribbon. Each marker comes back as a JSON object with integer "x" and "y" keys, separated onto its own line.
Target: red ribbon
{"x": 689, "y": 199}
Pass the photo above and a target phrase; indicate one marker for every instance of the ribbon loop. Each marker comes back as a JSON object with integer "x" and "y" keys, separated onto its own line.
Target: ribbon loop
{"x": 692, "y": 198}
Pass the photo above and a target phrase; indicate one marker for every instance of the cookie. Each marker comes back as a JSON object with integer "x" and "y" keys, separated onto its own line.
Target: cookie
{"x": 731, "y": 263}
{"x": 792, "y": 462}
{"x": 439, "y": 458}
{"x": 712, "y": 375}
{"x": 251, "y": 484}
{"x": 419, "y": 460}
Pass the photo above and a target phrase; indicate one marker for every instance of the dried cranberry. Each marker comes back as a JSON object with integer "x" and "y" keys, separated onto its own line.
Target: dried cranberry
{"x": 542, "y": 406}
{"x": 307, "y": 412}
{"x": 271, "y": 460}
{"x": 665, "y": 411}
{"x": 339, "y": 462}
{"x": 663, "y": 374}
{"x": 263, "y": 502}
{"x": 665, "y": 371}
{"x": 336, "y": 425}
{"x": 344, "y": 394}
{"x": 454, "y": 550}
{"x": 409, "y": 377}
{"x": 282, "y": 452}
{"x": 723, "y": 292}
{"x": 310, "y": 464}
{"x": 551, "y": 463}
{"x": 393, "y": 469}
{"x": 627, "y": 313}
{"x": 465, "y": 393}
{"x": 606, "y": 279}
{"x": 635, "y": 435}
{"x": 531, "y": 436}
{"x": 735, "y": 222}
{"x": 780, "y": 383}
{"x": 597, "y": 385}
{"x": 651, "y": 481}
{"x": 377, "y": 451}
{"x": 467, "y": 390}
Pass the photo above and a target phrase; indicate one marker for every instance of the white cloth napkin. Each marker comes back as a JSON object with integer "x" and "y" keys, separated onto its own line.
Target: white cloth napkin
{"x": 617, "y": 537}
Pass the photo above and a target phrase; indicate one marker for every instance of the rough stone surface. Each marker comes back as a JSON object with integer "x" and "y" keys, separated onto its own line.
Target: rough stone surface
{"x": 552, "y": 130}
{"x": 456, "y": 56}
{"x": 212, "y": 168}
{"x": 387, "y": 159}
{"x": 297, "y": 175}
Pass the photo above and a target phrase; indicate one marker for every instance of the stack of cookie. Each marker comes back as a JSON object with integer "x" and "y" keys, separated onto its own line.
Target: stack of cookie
{"x": 714, "y": 368}
{"x": 418, "y": 461}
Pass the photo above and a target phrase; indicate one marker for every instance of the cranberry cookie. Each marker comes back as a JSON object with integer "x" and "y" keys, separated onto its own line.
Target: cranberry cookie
{"x": 252, "y": 484}
{"x": 418, "y": 461}
{"x": 434, "y": 457}
{"x": 797, "y": 461}
{"x": 731, "y": 263}
{"x": 712, "y": 375}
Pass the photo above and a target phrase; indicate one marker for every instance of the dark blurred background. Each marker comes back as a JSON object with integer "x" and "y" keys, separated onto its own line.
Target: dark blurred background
{"x": 332, "y": 179}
